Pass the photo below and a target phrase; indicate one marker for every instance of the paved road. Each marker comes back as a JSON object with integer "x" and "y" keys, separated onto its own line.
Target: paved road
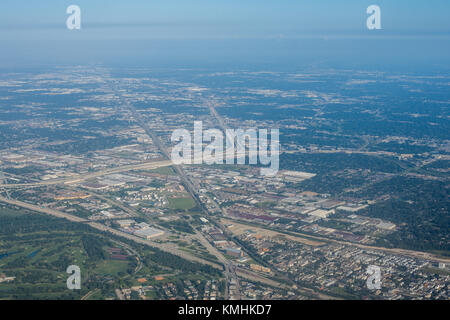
{"x": 230, "y": 270}
{"x": 3, "y": 181}
{"x": 118, "y": 204}
{"x": 45, "y": 210}
{"x": 167, "y": 247}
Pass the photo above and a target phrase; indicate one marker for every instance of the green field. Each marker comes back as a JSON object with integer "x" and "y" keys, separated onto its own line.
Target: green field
{"x": 164, "y": 170}
{"x": 111, "y": 267}
{"x": 181, "y": 203}
{"x": 36, "y": 249}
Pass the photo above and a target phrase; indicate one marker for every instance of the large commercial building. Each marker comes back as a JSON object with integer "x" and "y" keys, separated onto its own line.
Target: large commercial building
{"x": 149, "y": 233}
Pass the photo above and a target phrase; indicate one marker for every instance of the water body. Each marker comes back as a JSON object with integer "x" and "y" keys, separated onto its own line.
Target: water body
{"x": 31, "y": 255}
{"x": 4, "y": 255}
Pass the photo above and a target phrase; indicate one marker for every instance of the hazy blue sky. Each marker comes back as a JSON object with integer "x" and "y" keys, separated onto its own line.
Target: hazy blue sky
{"x": 230, "y": 17}
{"x": 34, "y": 30}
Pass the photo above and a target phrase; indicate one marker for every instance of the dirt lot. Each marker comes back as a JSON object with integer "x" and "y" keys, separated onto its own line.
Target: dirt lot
{"x": 239, "y": 229}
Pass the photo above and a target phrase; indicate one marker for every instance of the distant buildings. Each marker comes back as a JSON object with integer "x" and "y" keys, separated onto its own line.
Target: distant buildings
{"x": 149, "y": 232}
{"x": 4, "y": 278}
{"x": 234, "y": 252}
{"x": 352, "y": 207}
{"x": 321, "y": 213}
{"x": 257, "y": 267}
{"x": 125, "y": 223}
{"x": 142, "y": 229}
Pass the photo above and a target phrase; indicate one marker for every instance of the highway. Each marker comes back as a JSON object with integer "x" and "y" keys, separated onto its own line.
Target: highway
{"x": 404, "y": 252}
{"x": 167, "y": 247}
{"x": 3, "y": 181}
{"x": 231, "y": 271}
{"x": 164, "y": 246}
{"x": 229, "y": 268}
{"x": 186, "y": 182}
{"x": 45, "y": 210}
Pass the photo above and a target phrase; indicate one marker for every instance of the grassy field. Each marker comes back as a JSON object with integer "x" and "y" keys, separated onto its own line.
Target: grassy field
{"x": 37, "y": 249}
{"x": 164, "y": 170}
{"x": 181, "y": 203}
{"x": 111, "y": 267}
